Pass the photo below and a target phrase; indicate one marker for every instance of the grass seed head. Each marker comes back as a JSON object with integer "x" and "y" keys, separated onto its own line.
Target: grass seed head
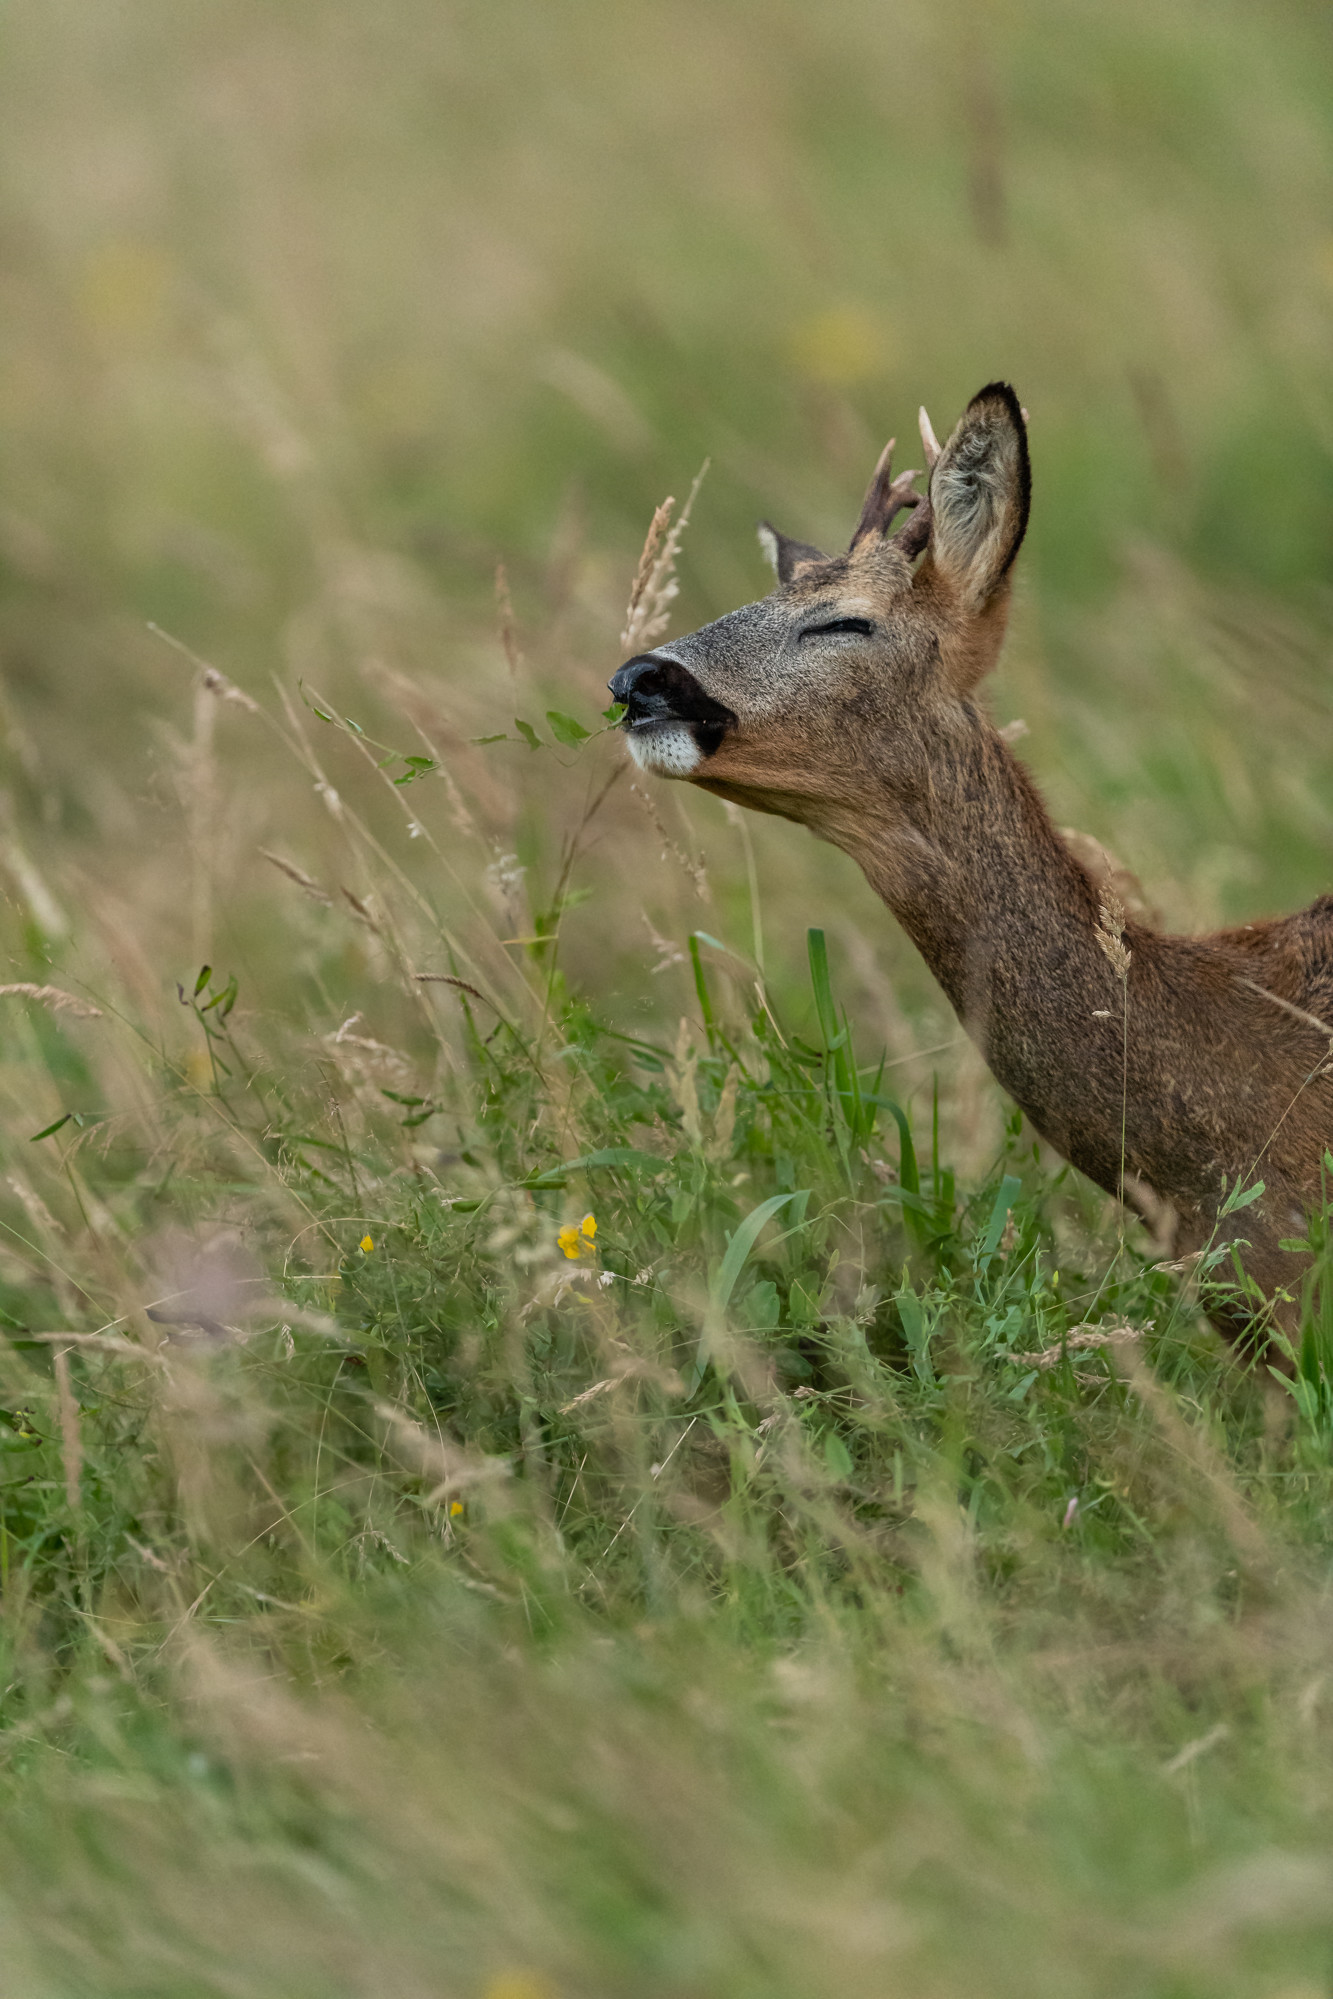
{"x": 1111, "y": 931}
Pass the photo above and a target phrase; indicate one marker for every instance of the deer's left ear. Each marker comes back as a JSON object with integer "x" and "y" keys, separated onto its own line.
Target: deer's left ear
{"x": 980, "y": 488}
{"x": 786, "y": 554}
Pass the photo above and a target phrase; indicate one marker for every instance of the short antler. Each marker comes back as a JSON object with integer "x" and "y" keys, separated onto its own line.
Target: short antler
{"x": 885, "y": 498}
{"x": 914, "y": 533}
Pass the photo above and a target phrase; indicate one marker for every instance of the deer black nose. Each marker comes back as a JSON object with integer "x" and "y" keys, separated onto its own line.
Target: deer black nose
{"x": 644, "y": 686}
{"x": 655, "y": 689}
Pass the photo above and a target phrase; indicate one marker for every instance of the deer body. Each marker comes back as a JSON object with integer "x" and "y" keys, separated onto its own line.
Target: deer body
{"x": 1177, "y": 1065}
{"x": 1183, "y": 1076}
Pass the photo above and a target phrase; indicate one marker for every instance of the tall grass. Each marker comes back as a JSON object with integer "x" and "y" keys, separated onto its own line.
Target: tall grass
{"x": 545, "y": 1508}
{"x": 557, "y": 1437}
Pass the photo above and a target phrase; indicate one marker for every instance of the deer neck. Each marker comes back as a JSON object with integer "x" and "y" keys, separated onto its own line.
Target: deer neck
{"x": 964, "y": 854}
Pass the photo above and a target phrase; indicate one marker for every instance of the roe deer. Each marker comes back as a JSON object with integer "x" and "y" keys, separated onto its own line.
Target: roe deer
{"x": 846, "y": 700}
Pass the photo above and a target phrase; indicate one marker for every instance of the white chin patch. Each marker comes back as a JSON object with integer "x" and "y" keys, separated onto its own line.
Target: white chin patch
{"x": 665, "y": 747}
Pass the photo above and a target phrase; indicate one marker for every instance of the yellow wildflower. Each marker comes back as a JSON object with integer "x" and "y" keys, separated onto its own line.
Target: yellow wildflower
{"x": 455, "y": 1508}
{"x": 576, "y": 1238}
{"x": 367, "y": 1244}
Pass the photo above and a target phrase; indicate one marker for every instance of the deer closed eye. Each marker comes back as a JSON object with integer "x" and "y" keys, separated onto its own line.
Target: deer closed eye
{"x": 861, "y": 626}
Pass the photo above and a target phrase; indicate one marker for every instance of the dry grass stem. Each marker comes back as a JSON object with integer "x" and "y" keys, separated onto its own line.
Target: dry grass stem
{"x": 1081, "y": 1339}
{"x": 54, "y": 998}
{"x": 690, "y": 864}
{"x": 504, "y": 605}
{"x": 1296, "y": 1012}
{"x": 655, "y": 586}
{"x": 71, "y": 1442}
{"x": 299, "y": 876}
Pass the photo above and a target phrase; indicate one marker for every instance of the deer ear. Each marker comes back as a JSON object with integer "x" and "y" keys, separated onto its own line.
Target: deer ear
{"x": 980, "y": 489}
{"x": 785, "y": 554}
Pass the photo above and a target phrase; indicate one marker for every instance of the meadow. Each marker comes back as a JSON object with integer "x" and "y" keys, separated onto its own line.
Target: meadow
{"x": 559, "y": 1439}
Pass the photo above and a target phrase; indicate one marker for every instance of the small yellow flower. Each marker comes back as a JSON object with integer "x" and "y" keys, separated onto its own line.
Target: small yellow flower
{"x": 576, "y": 1238}
{"x": 455, "y": 1508}
{"x": 367, "y": 1244}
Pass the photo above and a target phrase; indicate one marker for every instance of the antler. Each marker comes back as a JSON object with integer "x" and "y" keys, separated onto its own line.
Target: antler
{"x": 885, "y": 497}
{"x": 914, "y": 533}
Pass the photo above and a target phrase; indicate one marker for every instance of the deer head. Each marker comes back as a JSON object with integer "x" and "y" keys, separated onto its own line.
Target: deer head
{"x": 834, "y": 695}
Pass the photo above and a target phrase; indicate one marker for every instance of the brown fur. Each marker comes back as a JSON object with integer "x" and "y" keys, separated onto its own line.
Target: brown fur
{"x": 875, "y": 743}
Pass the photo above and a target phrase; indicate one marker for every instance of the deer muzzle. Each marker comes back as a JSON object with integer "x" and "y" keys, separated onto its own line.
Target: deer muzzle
{"x": 671, "y": 723}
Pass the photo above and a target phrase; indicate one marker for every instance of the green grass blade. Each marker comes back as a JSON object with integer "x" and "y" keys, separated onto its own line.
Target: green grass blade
{"x": 744, "y": 1240}
{"x": 701, "y": 988}
{"x": 908, "y": 1171}
{"x": 827, "y": 1012}
{"x": 999, "y": 1214}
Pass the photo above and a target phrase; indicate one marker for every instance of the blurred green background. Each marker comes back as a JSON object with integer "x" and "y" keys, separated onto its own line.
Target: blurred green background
{"x": 313, "y": 313}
